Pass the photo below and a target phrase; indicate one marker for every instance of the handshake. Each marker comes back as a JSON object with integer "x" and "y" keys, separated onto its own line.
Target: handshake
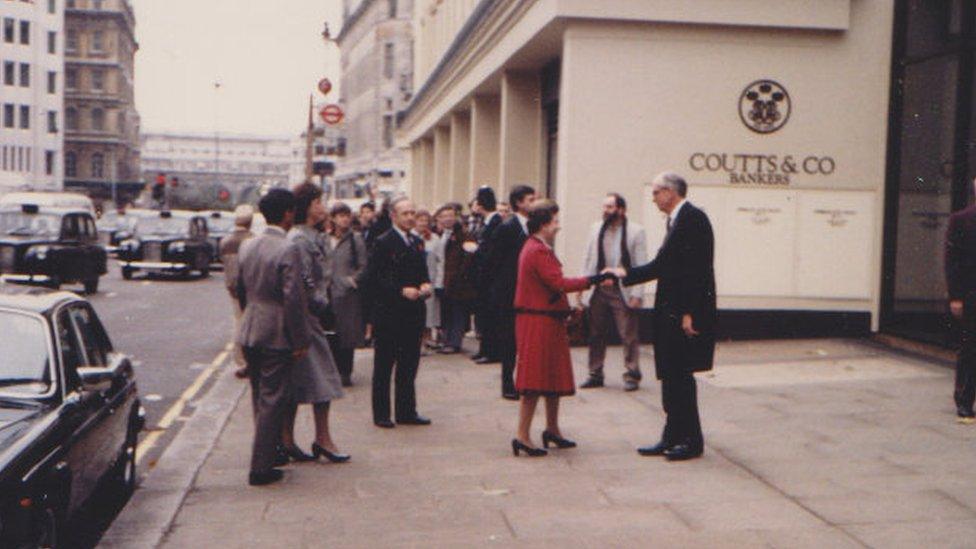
{"x": 608, "y": 277}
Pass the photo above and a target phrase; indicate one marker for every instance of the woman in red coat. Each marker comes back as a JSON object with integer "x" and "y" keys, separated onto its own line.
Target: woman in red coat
{"x": 543, "y": 366}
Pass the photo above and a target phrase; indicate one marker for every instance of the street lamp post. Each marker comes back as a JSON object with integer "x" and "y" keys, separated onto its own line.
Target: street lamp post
{"x": 217, "y": 134}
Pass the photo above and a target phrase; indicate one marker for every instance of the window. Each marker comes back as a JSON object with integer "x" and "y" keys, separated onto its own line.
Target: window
{"x": 71, "y": 79}
{"x": 69, "y": 4}
{"x": 70, "y": 164}
{"x": 98, "y": 166}
{"x": 392, "y": 6}
{"x": 71, "y": 40}
{"x": 93, "y": 337}
{"x": 49, "y": 162}
{"x": 388, "y": 131}
{"x": 25, "y": 117}
{"x": 25, "y": 32}
{"x": 9, "y": 27}
{"x": 71, "y": 118}
{"x": 98, "y": 80}
{"x": 25, "y": 75}
{"x": 388, "y": 60}
{"x": 52, "y": 121}
{"x": 52, "y": 42}
{"x": 52, "y": 6}
{"x": 70, "y": 350}
{"x": 9, "y": 71}
{"x": 122, "y": 122}
{"x": 8, "y": 116}
{"x": 98, "y": 41}
{"x": 98, "y": 120}
{"x": 52, "y": 82}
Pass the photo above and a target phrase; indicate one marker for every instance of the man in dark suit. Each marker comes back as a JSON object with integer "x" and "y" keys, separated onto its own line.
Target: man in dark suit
{"x": 273, "y": 334}
{"x": 397, "y": 277}
{"x": 684, "y": 315}
{"x": 503, "y": 257}
{"x": 484, "y": 205}
{"x": 960, "y": 272}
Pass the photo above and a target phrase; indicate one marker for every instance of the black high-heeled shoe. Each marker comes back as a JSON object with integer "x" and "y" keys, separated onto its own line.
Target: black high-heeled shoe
{"x": 519, "y": 446}
{"x": 334, "y": 458}
{"x": 560, "y": 442}
{"x": 294, "y": 453}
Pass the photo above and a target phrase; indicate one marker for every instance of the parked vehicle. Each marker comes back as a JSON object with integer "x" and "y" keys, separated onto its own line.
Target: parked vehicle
{"x": 50, "y": 246}
{"x": 167, "y": 242}
{"x": 113, "y": 228}
{"x": 73, "y": 201}
{"x": 69, "y": 414}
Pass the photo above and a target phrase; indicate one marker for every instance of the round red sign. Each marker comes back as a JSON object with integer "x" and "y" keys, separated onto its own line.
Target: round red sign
{"x": 325, "y": 86}
{"x": 332, "y": 114}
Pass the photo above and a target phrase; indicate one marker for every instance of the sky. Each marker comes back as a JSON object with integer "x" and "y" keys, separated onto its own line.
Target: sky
{"x": 268, "y": 57}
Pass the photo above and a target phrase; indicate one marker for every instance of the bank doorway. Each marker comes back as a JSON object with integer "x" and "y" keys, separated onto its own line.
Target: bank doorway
{"x": 931, "y": 160}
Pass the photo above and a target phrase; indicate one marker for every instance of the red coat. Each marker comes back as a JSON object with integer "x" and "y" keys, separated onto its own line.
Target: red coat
{"x": 543, "y": 365}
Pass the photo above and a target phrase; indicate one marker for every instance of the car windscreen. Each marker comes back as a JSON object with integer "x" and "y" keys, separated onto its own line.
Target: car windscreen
{"x": 25, "y": 224}
{"x": 25, "y": 361}
{"x": 163, "y": 226}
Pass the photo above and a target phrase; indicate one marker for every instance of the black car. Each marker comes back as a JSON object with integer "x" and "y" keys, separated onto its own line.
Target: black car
{"x": 167, "y": 242}
{"x": 220, "y": 225}
{"x": 113, "y": 228}
{"x": 69, "y": 414}
{"x": 50, "y": 246}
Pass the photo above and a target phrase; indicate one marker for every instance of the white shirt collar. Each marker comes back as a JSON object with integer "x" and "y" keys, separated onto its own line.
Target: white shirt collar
{"x": 524, "y": 221}
{"x": 275, "y": 229}
{"x": 674, "y": 212}
{"x": 402, "y": 234}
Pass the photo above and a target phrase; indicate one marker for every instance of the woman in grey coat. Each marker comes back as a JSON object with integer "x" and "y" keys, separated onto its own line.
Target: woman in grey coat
{"x": 348, "y": 262}
{"x": 315, "y": 379}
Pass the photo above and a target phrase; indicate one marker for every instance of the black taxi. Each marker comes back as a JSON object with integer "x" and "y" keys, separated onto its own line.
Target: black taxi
{"x": 167, "y": 242}
{"x": 50, "y": 246}
{"x": 69, "y": 414}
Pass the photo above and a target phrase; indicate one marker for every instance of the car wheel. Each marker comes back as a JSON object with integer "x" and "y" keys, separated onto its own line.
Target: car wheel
{"x": 91, "y": 286}
{"x": 124, "y": 474}
{"x": 126, "y": 273}
{"x": 49, "y": 528}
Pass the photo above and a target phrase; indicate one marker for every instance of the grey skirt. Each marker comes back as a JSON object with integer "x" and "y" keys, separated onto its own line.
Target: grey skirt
{"x": 315, "y": 378}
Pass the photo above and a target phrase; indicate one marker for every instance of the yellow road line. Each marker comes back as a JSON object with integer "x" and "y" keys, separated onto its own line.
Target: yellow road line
{"x": 177, "y": 408}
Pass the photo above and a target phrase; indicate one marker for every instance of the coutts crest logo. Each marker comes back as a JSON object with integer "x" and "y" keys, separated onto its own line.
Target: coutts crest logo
{"x": 764, "y": 106}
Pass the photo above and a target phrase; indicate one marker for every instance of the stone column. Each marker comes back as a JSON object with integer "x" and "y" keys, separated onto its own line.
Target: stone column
{"x": 442, "y": 166}
{"x": 460, "y": 189}
{"x": 521, "y": 131}
{"x": 485, "y": 142}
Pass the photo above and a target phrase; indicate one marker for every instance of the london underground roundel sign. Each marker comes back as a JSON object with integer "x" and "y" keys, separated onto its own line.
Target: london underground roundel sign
{"x": 332, "y": 114}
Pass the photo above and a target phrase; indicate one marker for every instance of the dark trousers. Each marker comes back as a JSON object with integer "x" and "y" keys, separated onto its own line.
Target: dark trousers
{"x": 270, "y": 373}
{"x": 487, "y": 324}
{"x": 344, "y": 358}
{"x": 455, "y": 319}
{"x": 505, "y": 344}
{"x": 679, "y": 395}
{"x": 965, "y": 392}
{"x": 395, "y": 346}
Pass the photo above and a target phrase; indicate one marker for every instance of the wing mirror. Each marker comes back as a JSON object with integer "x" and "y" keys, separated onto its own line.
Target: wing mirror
{"x": 101, "y": 378}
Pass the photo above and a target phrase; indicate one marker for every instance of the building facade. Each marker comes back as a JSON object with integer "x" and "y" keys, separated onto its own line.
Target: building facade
{"x": 376, "y": 45}
{"x": 828, "y": 140}
{"x": 218, "y": 168}
{"x": 31, "y": 95}
{"x": 101, "y": 122}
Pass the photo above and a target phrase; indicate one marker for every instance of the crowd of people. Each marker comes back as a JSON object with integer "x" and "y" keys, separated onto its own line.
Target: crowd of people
{"x": 321, "y": 282}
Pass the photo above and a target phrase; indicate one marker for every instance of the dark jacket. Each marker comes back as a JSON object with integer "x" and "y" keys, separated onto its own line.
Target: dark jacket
{"x": 459, "y": 283}
{"x": 503, "y": 256}
{"x": 482, "y": 268}
{"x": 960, "y": 258}
{"x": 393, "y": 266}
{"x": 685, "y": 274}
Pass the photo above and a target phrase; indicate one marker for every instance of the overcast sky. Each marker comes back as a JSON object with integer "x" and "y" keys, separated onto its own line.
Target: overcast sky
{"x": 268, "y": 57}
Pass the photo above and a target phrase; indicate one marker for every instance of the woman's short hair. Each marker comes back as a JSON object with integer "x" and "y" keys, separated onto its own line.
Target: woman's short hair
{"x": 305, "y": 194}
{"x": 541, "y": 213}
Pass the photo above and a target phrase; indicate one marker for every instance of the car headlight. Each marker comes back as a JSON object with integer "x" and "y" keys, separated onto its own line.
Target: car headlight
{"x": 39, "y": 252}
{"x": 177, "y": 247}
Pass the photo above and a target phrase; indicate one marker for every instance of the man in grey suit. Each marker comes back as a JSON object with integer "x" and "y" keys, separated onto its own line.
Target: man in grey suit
{"x": 274, "y": 333}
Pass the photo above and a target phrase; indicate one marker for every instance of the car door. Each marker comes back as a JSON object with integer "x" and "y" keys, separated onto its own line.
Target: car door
{"x": 91, "y": 250}
{"x": 79, "y": 412}
{"x": 70, "y": 266}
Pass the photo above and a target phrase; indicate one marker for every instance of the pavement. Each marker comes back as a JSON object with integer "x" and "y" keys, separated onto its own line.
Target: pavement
{"x": 812, "y": 443}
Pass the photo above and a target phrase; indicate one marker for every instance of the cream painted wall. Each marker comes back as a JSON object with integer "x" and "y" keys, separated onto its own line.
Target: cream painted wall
{"x": 485, "y": 140}
{"x": 461, "y": 156}
{"x": 640, "y": 99}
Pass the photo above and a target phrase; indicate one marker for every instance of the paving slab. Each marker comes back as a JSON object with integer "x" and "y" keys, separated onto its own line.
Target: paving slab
{"x": 813, "y": 443}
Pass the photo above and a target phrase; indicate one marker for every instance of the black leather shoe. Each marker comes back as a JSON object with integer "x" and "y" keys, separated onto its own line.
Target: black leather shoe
{"x": 655, "y": 450}
{"x": 415, "y": 420}
{"x": 592, "y": 383}
{"x": 476, "y": 357}
{"x": 294, "y": 454}
{"x": 263, "y": 478}
{"x": 518, "y": 446}
{"x": 334, "y": 458}
{"x": 560, "y": 442}
{"x": 384, "y": 423}
{"x": 281, "y": 458}
{"x": 486, "y": 360}
{"x": 681, "y": 452}
{"x": 510, "y": 395}
{"x": 631, "y": 385}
